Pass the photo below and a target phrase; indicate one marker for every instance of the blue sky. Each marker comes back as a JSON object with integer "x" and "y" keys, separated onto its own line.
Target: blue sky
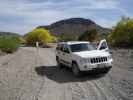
{"x": 22, "y": 16}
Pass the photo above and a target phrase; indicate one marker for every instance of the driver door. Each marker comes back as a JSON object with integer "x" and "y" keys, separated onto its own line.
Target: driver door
{"x": 66, "y": 56}
{"x": 103, "y": 45}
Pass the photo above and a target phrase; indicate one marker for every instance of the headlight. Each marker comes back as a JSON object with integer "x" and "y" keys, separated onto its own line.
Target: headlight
{"x": 83, "y": 60}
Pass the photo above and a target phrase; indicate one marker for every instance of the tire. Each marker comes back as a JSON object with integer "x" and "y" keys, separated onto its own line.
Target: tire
{"x": 107, "y": 69}
{"x": 76, "y": 70}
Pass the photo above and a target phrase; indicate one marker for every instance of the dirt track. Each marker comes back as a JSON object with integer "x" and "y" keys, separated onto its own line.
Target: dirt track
{"x": 33, "y": 75}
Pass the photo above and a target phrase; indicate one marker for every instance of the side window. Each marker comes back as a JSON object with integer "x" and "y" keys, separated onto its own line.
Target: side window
{"x": 66, "y": 50}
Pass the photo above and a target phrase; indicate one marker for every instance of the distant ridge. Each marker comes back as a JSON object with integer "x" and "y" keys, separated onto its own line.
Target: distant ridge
{"x": 73, "y": 27}
{"x": 8, "y": 34}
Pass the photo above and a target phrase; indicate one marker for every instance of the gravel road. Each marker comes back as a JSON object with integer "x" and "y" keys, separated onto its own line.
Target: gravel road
{"x": 31, "y": 74}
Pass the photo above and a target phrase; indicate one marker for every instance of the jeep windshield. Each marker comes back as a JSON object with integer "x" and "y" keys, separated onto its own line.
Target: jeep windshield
{"x": 82, "y": 47}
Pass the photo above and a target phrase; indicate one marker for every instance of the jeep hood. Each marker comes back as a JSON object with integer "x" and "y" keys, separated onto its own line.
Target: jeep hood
{"x": 94, "y": 53}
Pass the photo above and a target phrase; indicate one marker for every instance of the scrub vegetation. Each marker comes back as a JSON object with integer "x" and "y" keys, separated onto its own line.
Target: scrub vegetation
{"x": 39, "y": 35}
{"x": 122, "y": 33}
{"x": 9, "y": 44}
{"x": 89, "y": 35}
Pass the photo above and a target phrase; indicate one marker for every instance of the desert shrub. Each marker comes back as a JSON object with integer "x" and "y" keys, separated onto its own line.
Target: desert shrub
{"x": 39, "y": 35}
{"x": 64, "y": 37}
{"x": 89, "y": 35}
{"x": 9, "y": 44}
{"x": 122, "y": 34}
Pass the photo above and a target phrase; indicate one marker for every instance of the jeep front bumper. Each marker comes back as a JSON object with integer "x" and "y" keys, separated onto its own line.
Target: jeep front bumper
{"x": 96, "y": 66}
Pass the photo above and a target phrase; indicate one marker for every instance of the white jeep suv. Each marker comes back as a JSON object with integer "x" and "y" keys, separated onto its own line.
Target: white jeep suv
{"x": 84, "y": 56}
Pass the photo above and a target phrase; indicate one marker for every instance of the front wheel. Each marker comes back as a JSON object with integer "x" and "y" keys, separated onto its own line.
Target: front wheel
{"x": 75, "y": 70}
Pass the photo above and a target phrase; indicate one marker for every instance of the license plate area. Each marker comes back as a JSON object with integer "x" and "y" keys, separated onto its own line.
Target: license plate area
{"x": 100, "y": 65}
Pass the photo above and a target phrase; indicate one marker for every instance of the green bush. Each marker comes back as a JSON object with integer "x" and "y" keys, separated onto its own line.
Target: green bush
{"x": 9, "y": 44}
{"x": 39, "y": 35}
{"x": 122, "y": 34}
{"x": 89, "y": 35}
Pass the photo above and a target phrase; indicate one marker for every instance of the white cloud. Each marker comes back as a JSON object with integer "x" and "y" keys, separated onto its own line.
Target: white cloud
{"x": 31, "y": 14}
{"x": 107, "y": 23}
{"x": 99, "y": 4}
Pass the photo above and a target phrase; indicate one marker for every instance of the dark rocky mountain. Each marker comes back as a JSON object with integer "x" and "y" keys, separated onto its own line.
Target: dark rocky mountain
{"x": 73, "y": 27}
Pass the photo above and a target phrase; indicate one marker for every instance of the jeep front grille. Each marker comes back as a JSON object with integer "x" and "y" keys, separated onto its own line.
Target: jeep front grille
{"x": 98, "y": 59}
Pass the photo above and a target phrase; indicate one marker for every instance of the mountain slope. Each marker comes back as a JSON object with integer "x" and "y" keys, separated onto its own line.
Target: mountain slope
{"x": 73, "y": 27}
{"x": 8, "y": 34}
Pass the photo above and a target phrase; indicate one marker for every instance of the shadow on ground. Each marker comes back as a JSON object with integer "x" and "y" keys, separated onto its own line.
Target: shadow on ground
{"x": 64, "y": 75}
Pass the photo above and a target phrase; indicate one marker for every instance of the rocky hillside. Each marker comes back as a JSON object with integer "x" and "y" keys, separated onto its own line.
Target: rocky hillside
{"x": 8, "y": 34}
{"x": 73, "y": 27}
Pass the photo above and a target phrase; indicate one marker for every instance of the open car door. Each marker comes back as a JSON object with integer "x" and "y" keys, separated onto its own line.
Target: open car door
{"x": 103, "y": 45}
